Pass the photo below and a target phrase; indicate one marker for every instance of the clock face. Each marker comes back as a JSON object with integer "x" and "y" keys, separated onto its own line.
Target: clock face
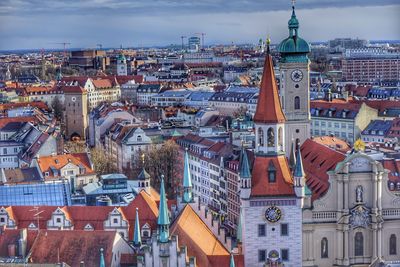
{"x": 297, "y": 75}
{"x": 73, "y": 99}
{"x": 273, "y": 214}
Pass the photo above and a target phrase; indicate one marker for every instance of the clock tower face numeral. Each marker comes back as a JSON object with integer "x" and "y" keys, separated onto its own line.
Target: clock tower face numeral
{"x": 273, "y": 214}
{"x": 297, "y": 75}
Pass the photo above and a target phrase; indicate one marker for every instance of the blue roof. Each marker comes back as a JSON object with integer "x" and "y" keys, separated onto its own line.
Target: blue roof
{"x": 378, "y": 127}
{"x": 174, "y": 93}
{"x": 242, "y": 89}
{"x": 200, "y": 96}
{"x": 44, "y": 194}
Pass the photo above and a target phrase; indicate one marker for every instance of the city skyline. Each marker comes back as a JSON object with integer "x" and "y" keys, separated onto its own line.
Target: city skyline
{"x": 114, "y": 23}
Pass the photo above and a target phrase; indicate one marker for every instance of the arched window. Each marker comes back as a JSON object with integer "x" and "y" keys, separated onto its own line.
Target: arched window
{"x": 271, "y": 172}
{"x": 271, "y": 137}
{"x": 297, "y": 102}
{"x": 324, "y": 248}
{"x": 260, "y": 137}
{"x": 280, "y": 136}
{"x": 393, "y": 245}
{"x": 358, "y": 244}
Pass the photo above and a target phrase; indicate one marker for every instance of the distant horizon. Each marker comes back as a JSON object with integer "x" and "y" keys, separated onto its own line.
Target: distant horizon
{"x": 71, "y": 49}
{"x": 31, "y": 24}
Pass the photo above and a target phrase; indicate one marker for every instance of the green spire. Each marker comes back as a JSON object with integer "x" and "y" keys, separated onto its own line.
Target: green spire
{"x": 239, "y": 228}
{"x": 163, "y": 218}
{"x": 137, "y": 240}
{"x": 102, "y": 262}
{"x": 292, "y": 156}
{"x": 187, "y": 181}
{"x": 232, "y": 261}
{"x": 298, "y": 171}
{"x": 293, "y": 23}
{"x": 244, "y": 165}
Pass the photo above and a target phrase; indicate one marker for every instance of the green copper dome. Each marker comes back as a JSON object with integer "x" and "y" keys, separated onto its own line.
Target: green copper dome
{"x": 293, "y": 45}
{"x": 121, "y": 57}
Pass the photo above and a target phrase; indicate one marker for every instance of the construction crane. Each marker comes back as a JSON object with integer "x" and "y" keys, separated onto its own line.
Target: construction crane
{"x": 202, "y": 38}
{"x": 183, "y": 37}
{"x": 65, "y": 49}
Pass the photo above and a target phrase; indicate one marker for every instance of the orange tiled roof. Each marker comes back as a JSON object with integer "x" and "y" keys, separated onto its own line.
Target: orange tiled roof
{"x": 5, "y": 121}
{"x": 102, "y": 83}
{"x": 198, "y": 238}
{"x": 393, "y": 165}
{"x": 37, "y": 104}
{"x": 269, "y": 108}
{"x": 283, "y": 186}
{"x": 59, "y": 161}
{"x": 333, "y": 143}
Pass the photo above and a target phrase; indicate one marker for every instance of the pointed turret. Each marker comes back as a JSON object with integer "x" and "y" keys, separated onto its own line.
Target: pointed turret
{"x": 187, "y": 181}
{"x": 143, "y": 179}
{"x": 137, "y": 240}
{"x": 163, "y": 218}
{"x": 298, "y": 175}
{"x": 232, "y": 261}
{"x": 245, "y": 175}
{"x": 102, "y": 261}
{"x": 269, "y": 108}
{"x": 292, "y": 156}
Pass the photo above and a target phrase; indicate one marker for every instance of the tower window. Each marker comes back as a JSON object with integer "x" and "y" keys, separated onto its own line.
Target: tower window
{"x": 358, "y": 244}
{"x": 297, "y": 102}
{"x": 393, "y": 245}
{"x": 271, "y": 173}
{"x": 285, "y": 254}
{"x": 261, "y": 255}
{"x": 296, "y": 86}
{"x": 260, "y": 137}
{"x": 284, "y": 229}
{"x": 280, "y": 136}
{"x": 271, "y": 137}
{"x": 261, "y": 230}
{"x": 324, "y": 248}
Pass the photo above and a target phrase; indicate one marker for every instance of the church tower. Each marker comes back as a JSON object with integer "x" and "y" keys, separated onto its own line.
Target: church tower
{"x": 295, "y": 83}
{"x": 271, "y": 212}
{"x": 122, "y": 68}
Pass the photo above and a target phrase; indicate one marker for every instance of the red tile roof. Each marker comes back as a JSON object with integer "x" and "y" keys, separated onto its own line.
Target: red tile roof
{"x": 102, "y": 83}
{"x": 393, "y": 165}
{"x": 72, "y": 89}
{"x": 283, "y": 186}
{"x": 269, "y": 108}
{"x": 333, "y": 142}
{"x": 5, "y": 121}
{"x": 37, "y": 104}
{"x": 61, "y": 246}
{"x": 318, "y": 159}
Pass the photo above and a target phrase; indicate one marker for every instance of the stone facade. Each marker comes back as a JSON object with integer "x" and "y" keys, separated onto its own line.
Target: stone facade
{"x": 76, "y": 113}
{"x": 357, "y": 221}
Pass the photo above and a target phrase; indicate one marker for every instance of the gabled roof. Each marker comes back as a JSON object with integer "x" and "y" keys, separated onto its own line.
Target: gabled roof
{"x": 198, "y": 238}
{"x": 56, "y": 162}
{"x": 269, "y": 108}
{"x": 61, "y": 246}
{"x": 260, "y": 186}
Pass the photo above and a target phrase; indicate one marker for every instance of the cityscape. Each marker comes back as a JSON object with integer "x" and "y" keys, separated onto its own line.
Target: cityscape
{"x": 250, "y": 135}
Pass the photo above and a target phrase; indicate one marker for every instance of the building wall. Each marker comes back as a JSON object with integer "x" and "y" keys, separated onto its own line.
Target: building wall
{"x": 76, "y": 114}
{"x": 252, "y": 243}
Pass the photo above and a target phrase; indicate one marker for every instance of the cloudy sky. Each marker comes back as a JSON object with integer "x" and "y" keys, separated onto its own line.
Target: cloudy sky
{"x": 85, "y": 23}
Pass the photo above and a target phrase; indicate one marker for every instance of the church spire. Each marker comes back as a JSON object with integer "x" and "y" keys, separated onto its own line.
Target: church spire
{"x": 163, "y": 218}
{"x": 298, "y": 170}
{"x": 102, "y": 261}
{"x": 232, "y": 261}
{"x": 244, "y": 165}
{"x": 137, "y": 240}
{"x": 269, "y": 108}
{"x": 187, "y": 181}
{"x": 299, "y": 177}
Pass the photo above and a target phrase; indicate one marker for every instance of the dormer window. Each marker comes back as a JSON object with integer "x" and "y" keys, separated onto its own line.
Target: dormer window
{"x": 271, "y": 173}
{"x": 139, "y": 138}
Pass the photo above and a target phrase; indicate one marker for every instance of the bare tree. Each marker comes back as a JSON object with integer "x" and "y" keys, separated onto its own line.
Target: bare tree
{"x": 103, "y": 164}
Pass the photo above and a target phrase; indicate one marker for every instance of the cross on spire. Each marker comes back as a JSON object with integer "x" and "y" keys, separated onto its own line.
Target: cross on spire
{"x": 293, "y": 2}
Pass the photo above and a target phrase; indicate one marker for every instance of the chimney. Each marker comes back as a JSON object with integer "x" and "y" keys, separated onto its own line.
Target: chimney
{"x": 82, "y": 264}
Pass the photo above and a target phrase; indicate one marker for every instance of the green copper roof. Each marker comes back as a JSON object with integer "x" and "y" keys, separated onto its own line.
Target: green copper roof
{"x": 298, "y": 171}
{"x": 187, "y": 181}
{"x": 244, "y": 165}
{"x": 137, "y": 240}
{"x": 232, "y": 261}
{"x": 102, "y": 262}
{"x": 176, "y": 133}
{"x": 163, "y": 218}
{"x": 121, "y": 57}
{"x": 293, "y": 44}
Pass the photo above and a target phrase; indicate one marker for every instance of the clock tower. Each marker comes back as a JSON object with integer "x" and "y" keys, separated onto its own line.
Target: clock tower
{"x": 271, "y": 206}
{"x": 295, "y": 83}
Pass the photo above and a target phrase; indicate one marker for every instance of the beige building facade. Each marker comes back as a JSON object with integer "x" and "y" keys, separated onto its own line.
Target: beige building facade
{"x": 357, "y": 221}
